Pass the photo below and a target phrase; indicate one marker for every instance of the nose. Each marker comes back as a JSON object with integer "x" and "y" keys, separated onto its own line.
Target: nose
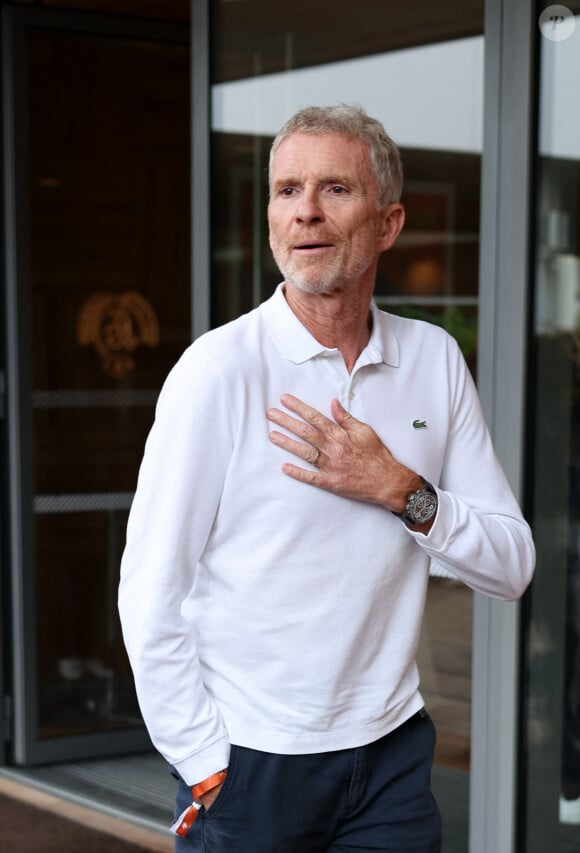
{"x": 309, "y": 208}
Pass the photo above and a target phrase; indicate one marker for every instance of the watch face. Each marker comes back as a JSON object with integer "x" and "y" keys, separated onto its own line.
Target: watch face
{"x": 422, "y": 506}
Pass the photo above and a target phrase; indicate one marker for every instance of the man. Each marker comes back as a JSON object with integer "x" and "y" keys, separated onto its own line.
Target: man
{"x": 306, "y": 462}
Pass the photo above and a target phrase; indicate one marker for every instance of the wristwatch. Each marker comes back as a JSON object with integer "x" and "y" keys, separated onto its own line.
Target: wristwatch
{"x": 421, "y": 505}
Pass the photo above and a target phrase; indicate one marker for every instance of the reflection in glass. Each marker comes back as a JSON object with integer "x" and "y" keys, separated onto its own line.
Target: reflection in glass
{"x": 428, "y": 91}
{"x": 552, "y": 636}
{"x": 110, "y": 308}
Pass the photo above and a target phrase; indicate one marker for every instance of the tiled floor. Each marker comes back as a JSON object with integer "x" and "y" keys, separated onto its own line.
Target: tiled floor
{"x": 63, "y": 804}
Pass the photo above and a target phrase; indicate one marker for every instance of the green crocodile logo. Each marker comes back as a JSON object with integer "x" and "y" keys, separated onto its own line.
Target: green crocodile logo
{"x": 419, "y": 424}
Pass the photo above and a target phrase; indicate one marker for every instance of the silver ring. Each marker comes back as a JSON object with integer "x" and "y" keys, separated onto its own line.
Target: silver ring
{"x": 316, "y": 458}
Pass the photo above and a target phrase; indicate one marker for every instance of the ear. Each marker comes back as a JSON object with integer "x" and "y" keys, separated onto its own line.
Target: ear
{"x": 393, "y": 219}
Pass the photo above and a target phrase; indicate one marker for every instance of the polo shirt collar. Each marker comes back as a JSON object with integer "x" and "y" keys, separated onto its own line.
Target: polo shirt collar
{"x": 294, "y": 341}
{"x": 384, "y": 338}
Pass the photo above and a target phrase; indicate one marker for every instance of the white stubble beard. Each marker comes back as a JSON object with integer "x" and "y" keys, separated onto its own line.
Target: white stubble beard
{"x": 313, "y": 280}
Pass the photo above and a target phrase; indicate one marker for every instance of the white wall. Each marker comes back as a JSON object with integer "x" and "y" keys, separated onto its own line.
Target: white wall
{"x": 560, "y": 97}
{"x": 428, "y": 97}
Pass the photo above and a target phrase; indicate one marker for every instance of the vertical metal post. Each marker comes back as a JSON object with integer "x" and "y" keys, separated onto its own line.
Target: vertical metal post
{"x": 503, "y": 330}
{"x": 200, "y": 167}
{"x": 19, "y": 419}
{"x": 5, "y": 728}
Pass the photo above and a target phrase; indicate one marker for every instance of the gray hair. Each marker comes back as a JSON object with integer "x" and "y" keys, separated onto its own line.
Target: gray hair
{"x": 353, "y": 122}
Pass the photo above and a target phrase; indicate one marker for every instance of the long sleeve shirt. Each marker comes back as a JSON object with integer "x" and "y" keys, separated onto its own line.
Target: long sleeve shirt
{"x": 262, "y": 611}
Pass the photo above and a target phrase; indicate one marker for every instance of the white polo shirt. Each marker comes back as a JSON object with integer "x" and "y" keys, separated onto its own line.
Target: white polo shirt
{"x": 264, "y": 612}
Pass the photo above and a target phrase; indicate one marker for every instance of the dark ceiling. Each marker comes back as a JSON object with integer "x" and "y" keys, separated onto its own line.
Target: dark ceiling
{"x": 263, "y": 36}
{"x": 163, "y": 10}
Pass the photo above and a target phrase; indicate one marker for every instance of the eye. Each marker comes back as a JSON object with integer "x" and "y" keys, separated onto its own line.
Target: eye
{"x": 337, "y": 189}
{"x": 287, "y": 191}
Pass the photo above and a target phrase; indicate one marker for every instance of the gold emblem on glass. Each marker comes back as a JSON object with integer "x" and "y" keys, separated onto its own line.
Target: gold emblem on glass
{"x": 116, "y": 324}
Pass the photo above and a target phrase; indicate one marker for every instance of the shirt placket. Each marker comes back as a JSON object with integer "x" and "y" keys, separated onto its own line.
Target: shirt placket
{"x": 347, "y": 385}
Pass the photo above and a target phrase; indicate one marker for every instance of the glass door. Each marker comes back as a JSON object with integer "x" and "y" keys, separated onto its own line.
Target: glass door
{"x": 551, "y": 726}
{"x": 100, "y": 309}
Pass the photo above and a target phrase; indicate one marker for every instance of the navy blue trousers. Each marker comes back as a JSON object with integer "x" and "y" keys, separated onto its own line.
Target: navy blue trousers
{"x": 371, "y": 798}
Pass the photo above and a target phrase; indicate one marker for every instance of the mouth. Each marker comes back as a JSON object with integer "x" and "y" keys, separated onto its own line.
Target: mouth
{"x": 312, "y": 246}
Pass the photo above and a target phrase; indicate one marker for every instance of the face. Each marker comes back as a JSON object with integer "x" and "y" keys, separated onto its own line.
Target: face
{"x": 326, "y": 231}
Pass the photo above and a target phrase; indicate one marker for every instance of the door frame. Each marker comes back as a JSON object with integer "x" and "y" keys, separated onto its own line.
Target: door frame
{"x": 504, "y": 334}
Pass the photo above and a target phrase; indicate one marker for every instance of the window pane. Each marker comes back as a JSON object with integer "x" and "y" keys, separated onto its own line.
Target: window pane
{"x": 110, "y": 309}
{"x": 425, "y": 82}
{"x": 552, "y": 697}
